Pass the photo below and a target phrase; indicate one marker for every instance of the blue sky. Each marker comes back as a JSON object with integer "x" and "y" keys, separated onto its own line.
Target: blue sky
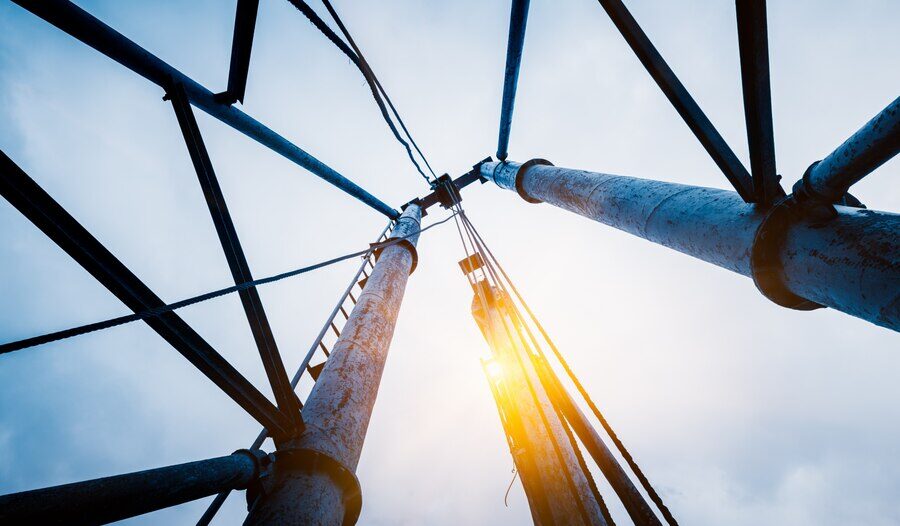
{"x": 740, "y": 412}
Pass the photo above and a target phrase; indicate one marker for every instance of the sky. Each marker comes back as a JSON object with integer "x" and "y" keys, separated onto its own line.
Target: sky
{"x": 739, "y": 411}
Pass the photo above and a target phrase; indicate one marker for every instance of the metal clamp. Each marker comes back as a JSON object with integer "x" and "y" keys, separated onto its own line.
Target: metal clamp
{"x": 765, "y": 265}
{"x": 520, "y": 174}
{"x": 310, "y": 460}
{"x": 805, "y": 193}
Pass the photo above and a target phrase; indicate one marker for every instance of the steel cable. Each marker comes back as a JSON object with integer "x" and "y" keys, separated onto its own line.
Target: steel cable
{"x": 359, "y": 61}
{"x": 158, "y": 311}
{"x": 645, "y": 483}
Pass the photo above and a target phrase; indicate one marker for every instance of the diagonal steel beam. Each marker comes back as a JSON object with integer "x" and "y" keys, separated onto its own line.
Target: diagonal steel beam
{"x": 82, "y": 25}
{"x": 237, "y": 261}
{"x": 679, "y": 97}
{"x": 52, "y": 219}
{"x": 518, "y": 19}
{"x": 754, "y": 50}
{"x": 242, "y": 43}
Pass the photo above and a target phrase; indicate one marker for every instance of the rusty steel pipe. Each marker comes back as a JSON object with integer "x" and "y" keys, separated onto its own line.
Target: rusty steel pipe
{"x": 871, "y": 146}
{"x": 314, "y": 481}
{"x": 850, "y": 262}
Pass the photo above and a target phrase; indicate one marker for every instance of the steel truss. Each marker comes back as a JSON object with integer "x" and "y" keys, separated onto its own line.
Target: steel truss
{"x": 767, "y": 225}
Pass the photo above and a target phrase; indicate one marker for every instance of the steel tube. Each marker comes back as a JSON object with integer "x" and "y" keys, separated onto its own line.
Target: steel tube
{"x": 871, "y": 146}
{"x": 82, "y": 25}
{"x": 301, "y": 370}
{"x": 318, "y": 486}
{"x": 850, "y": 262}
{"x": 110, "y": 499}
{"x": 518, "y": 19}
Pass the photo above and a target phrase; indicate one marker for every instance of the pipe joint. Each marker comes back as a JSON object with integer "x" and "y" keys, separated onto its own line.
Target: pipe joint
{"x": 510, "y": 175}
{"x": 805, "y": 192}
{"x": 766, "y": 267}
{"x": 261, "y": 462}
{"x": 310, "y": 460}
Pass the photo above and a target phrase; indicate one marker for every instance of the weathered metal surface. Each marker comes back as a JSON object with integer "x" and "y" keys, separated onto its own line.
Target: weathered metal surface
{"x": 638, "y": 509}
{"x": 339, "y": 407}
{"x": 679, "y": 97}
{"x": 558, "y": 490}
{"x": 754, "y": 50}
{"x": 53, "y": 220}
{"x": 109, "y": 499}
{"x": 871, "y": 146}
{"x": 301, "y": 370}
{"x": 850, "y": 263}
{"x": 82, "y": 25}
{"x": 518, "y": 19}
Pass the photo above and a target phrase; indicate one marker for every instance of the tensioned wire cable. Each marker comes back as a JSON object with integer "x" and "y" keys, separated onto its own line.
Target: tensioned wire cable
{"x": 387, "y": 99}
{"x": 360, "y": 62}
{"x": 159, "y": 311}
{"x": 645, "y": 483}
{"x": 544, "y": 419}
{"x": 477, "y": 246}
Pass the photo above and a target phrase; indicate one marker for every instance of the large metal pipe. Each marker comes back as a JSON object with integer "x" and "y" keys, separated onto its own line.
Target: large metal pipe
{"x": 638, "y": 509}
{"x": 82, "y": 25}
{"x": 110, "y": 499}
{"x": 314, "y": 481}
{"x": 850, "y": 262}
{"x": 871, "y": 146}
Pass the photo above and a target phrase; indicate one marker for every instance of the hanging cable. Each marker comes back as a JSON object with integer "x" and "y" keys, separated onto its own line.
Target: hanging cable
{"x": 645, "y": 483}
{"x": 387, "y": 99}
{"x": 359, "y": 61}
{"x": 159, "y": 311}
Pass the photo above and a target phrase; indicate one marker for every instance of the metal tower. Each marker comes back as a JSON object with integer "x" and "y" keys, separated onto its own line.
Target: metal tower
{"x": 815, "y": 247}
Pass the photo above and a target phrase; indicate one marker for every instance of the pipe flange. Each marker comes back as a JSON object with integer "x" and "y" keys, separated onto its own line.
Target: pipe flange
{"x": 521, "y": 173}
{"x": 405, "y": 243}
{"x": 311, "y": 460}
{"x": 765, "y": 265}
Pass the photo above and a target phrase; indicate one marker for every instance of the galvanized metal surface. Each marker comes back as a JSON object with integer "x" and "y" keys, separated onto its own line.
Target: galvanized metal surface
{"x": 82, "y": 25}
{"x": 871, "y": 146}
{"x": 339, "y": 407}
{"x": 556, "y": 486}
{"x": 109, "y": 499}
{"x": 850, "y": 263}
